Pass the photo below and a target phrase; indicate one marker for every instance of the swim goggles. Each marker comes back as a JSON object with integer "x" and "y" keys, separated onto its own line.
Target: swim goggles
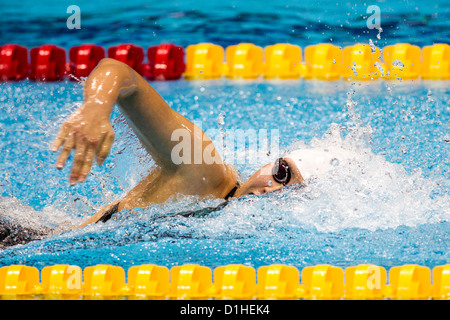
{"x": 281, "y": 172}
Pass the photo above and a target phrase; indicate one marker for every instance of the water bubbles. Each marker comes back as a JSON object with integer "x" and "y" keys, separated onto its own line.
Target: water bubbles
{"x": 430, "y": 97}
{"x": 373, "y": 48}
{"x": 398, "y": 63}
{"x": 79, "y": 80}
{"x": 110, "y": 165}
{"x": 379, "y": 67}
{"x": 388, "y": 86}
{"x": 221, "y": 119}
{"x": 380, "y": 30}
{"x": 353, "y": 67}
{"x": 351, "y": 104}
{"x": 334, "y": 162}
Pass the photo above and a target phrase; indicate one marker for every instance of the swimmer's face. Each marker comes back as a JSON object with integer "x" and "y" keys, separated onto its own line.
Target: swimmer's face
{"x": 271, "y": 177}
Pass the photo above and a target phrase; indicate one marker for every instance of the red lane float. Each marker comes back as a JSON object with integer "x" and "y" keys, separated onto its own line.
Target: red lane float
{"x": 13, "y": 62}
{"x": 166, "y": 62}
{"x": 84, "y": 58}
{"x": 129, "y": 54}
{"x": 48, "y": 63}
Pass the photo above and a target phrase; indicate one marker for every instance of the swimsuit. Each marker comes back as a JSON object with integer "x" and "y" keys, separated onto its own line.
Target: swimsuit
{"x": 108, "y": 214}
{"x": 197, "y": 213}
{"x": 12, "y": 234}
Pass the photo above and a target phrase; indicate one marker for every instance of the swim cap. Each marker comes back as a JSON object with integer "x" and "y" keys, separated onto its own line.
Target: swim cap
{"x": 315, "y": 162}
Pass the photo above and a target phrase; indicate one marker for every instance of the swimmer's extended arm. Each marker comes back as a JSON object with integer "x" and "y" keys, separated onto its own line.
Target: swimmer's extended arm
{"x": 88, "y": 130}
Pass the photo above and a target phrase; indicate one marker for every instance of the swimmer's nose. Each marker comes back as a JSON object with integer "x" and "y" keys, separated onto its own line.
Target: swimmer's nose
{"x": 267, "y": 189}
{"x": 267, "y": 185}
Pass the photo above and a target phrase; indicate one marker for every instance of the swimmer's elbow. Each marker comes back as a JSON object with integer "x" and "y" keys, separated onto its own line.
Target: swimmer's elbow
{"x": 112, "y": 68}
{"x": 110, "y": 62}
{"x": 117, "y": 73}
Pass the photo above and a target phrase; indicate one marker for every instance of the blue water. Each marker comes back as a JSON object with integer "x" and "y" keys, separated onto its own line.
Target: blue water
{"x": 389, "y": 207}
{"x": 224, "y": 22}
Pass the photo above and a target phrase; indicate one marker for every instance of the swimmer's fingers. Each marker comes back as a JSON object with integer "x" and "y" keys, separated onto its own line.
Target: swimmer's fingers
{"x": 88, "y": 159}
{"x": 79, "y": 159}
{"x": 105, "y": 148}
{"x": 69, "y": 144}
{"x": 60, "y": 138}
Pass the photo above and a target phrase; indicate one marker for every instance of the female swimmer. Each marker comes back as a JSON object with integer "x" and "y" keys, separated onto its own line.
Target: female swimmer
{"x": 89, "y": 131}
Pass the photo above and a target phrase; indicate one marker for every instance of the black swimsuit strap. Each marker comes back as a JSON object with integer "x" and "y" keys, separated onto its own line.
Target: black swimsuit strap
{"x": 205, "y": 211}
{"x": 108, "y": 214}
{"x": 233, "y": 191}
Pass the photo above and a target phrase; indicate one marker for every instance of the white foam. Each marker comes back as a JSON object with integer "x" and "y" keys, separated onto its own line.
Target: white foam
{"x": 14, "y": 211}
{"x": 363, "y": 190}
{"x": 366, "y": 191}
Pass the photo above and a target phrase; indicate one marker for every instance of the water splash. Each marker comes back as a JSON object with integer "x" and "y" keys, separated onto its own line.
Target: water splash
{"x": 398, "y": 63}
{"x": 367, "y": 192}
{"x": 380, "y": 30}
{"x": 369, "y": 206}
{"x": 379, "y": 67}
{"x": 354, "y": 69}
{"x": 373, "y": 48}
{"x": 80, "y": 80}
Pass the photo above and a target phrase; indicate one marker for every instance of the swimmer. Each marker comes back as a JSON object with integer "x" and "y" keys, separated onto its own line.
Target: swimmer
{"x": 89, "y": 131}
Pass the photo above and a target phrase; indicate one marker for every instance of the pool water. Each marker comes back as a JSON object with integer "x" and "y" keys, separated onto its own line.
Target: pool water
{"x": 389, "y": 206}
{"x": 224, "y": 22}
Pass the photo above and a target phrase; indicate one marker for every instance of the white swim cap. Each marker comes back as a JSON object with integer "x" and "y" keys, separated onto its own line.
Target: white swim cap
{"x": 317, "y": 162}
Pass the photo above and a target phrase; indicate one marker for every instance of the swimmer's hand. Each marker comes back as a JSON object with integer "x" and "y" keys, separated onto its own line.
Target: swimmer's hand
{"x": 90, "y": 133}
